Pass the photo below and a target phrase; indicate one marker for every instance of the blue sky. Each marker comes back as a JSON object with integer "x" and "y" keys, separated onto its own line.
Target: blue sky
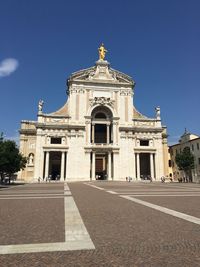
{"x": 156, "y": 42}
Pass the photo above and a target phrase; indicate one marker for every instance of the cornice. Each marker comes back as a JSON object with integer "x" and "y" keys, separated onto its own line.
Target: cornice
{"x": 140, "y": 129}
{"x": 64, "y": 126}
{"x": 28, "y": 131}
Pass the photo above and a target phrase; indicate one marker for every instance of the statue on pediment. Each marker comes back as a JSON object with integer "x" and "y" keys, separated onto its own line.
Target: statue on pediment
{"x": 102, "y": 52}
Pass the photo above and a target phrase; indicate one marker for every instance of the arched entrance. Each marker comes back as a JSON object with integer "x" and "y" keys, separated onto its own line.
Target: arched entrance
{"x": 101, "y": 130}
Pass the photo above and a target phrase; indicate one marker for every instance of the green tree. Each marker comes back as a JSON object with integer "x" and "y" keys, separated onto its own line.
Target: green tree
{"x": 11, "y": 160}
{"x": 185, "y": 161}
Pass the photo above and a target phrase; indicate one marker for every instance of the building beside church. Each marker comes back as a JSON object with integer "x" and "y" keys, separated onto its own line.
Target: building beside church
{"x": 191, "y": 141}
{"x": 97, "y": 134}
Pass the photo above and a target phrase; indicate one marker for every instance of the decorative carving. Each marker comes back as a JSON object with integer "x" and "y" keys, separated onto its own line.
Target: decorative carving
{"x": 126, "y": 92}
{"x": 74, "y": 133}
{"x": 76, "y": 90}
{"x": 144, "y": 123}
{"x": 102, "y": 101}
{"x": 56, "y": 120}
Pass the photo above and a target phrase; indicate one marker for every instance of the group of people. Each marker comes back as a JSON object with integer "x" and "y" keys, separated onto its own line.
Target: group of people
{"x": 184, "y": 180}
{"x": 47, "y": 179}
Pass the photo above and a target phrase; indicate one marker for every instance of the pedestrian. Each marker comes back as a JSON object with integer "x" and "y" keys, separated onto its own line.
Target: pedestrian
{"x": 39, "y": 180}
{"x": 162, "y": 179}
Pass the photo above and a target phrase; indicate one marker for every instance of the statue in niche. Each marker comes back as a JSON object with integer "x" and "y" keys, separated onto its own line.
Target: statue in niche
{"x": 102, "y": 52}
{"x": 30, "y": 160}
{"x": 40, "y": 105}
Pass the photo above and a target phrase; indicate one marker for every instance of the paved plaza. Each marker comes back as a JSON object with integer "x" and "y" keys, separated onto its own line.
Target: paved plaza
{"x": 100, "y": 224}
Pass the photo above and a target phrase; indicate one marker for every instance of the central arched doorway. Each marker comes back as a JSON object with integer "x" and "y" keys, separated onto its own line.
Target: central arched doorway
{"x": 101, "y": 130}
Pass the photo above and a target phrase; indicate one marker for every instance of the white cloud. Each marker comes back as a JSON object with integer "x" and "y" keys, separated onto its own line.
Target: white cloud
{"x": 7, "y": 66}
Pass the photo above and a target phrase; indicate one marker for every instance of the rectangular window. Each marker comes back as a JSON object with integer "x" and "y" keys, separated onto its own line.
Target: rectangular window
{"x": 144, "y": 142}
{"x": 198, "y": 146}
{"x": 192, "y": 147}
{"x": 199, "y": 161}
{"x": 55, "y": 140}
{"x": 170, "y": 163}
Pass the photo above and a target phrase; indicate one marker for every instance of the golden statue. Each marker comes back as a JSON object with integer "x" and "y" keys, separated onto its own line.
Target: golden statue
{"x": 102, "y": 52}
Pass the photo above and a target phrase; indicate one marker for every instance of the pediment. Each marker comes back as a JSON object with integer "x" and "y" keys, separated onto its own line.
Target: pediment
{"x": 101, "y": 73}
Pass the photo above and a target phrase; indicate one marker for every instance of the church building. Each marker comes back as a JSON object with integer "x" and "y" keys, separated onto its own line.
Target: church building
{"x": 97, "y": 134}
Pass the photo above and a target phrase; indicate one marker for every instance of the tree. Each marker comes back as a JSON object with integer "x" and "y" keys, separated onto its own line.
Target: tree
{"x": 185, "y": 161}
{"x": 11, "y": 160}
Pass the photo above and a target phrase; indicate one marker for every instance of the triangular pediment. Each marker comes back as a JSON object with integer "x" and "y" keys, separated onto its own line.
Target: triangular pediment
{"x": 101, "y": 73}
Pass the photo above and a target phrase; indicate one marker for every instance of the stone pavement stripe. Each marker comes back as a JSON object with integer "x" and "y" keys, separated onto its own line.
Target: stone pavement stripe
{"x": 157, "y": 195}
{"x": 112, "y": 192}
{"x": 159, "y": 190}
{"x": 46, "y": 247}
{"x": 27, "y": 195}
{"x": 76, "y": 235}
{"x": 183, "y": 187}
{"x": 74, "y": 226}
{"x": 37, "y": 197}
{"x": 97, "y": 187}
{"x": 164, "y": 210}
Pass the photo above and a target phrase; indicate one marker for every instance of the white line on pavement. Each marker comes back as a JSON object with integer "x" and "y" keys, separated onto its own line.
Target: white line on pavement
{"x": 164, "y": 210}
{"x": 112, "y": 192}
{"x": 74, "y": 226}
{"x": 76, "y": 235}
{"x": 97, "y": 187}
{"x": 158, "y": 195}
{"x": 37, "y": 197}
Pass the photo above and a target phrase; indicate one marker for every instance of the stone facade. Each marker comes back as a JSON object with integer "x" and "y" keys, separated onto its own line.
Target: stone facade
{"x": 192, "y": 141}
{"x": 97, "y": 134}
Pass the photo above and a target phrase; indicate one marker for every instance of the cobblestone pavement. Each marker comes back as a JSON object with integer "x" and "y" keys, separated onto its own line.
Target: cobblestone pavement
{"x": 124, "y": 233}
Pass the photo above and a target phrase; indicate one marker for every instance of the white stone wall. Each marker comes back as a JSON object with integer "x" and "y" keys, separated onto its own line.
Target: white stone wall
{"x": 78, "y": 162}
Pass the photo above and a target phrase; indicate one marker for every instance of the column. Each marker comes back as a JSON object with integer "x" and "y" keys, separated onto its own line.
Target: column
{"x": 156, "y": 166}
{"x": 114, "y": 133}
{"x": 134, "y": 167}
{"x": 88, "y": 133}
{"x": 47, "y": 165}
{"x": 62, "y": 166}
{"x": 109, "y": 165}
{"x": 152, "y": 166}
{"x": 66, "y": 166}
{"x": 92, "y": 133}
{"x": 117, "y": 132}
{"x": 138, "y": 165}
{"x": 108, "y": 133}
{"x": 93, "y": 165}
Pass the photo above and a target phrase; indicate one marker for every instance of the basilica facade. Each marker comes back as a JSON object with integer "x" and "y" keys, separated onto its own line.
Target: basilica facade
{"x": 97, "y": 134}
